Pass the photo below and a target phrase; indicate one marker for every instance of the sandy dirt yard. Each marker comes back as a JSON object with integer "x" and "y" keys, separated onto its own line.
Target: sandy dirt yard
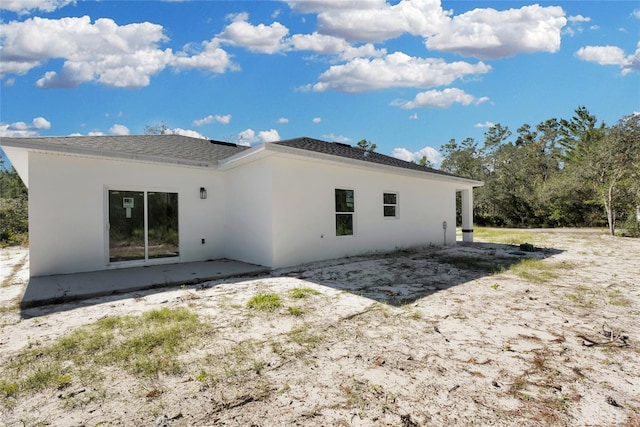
{"x": 476, "y": 334}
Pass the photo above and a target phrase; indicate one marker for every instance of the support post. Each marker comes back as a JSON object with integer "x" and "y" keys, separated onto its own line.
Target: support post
{"x": 467, "y": 215}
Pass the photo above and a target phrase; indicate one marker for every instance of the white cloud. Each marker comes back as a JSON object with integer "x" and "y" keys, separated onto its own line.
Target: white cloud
{"x": 249, "y": 136}
{"x": 414, "y": 156}
{"x": 376, "y": 21}
{"x": 208, "y": 56}
{"x": 487, "y": 125}
{"x": 317, "y": 120}
{"x": 574, "y": 26}
{"x": 336, "y": 138}
{"x": 283, "y": 120}
{"x": 119, "y": 130}
{"x": 392, "y": 71}
{"x": 41, "y": 123}
{"x": 636, "y": 13}
{"x": 308, "y": 6}
{"x": 611, "y": 55}
{"x": 225, "y": 120}
{"x": 440, "y": 99}
{"x": 492, "y": 34}
{"x": 579, "y": 18}
{"x": 186, "y": 132}
{"x": 102, "y": 51}
{"x": 123, "y": 56}
{"x": 270, "y": 135}
{"x": 483, "y": 33}
{"x": 603, "y": 55}
{"x": 330, "y": 45}
{"x": 414, "y": 116}
{"x": 256, "y": 38}
{"x": 22, "y": 129}
{"x": 22, "y": 7}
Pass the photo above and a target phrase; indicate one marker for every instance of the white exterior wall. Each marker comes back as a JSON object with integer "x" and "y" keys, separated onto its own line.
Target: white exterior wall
{"x": 304, "y": 210}
{"x": 249, "y": 230}
{"x": 68, "y": 213}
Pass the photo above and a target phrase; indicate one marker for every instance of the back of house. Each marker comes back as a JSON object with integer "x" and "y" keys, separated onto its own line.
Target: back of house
{"x": 102, "y": 202}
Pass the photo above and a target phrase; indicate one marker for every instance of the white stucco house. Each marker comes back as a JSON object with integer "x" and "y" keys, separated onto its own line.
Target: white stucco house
{"x": 101, "y": 202}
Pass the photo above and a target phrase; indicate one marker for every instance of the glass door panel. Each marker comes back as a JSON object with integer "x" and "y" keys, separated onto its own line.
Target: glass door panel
{"x": 126, "y": 225}
{"x": 163, "y": 224}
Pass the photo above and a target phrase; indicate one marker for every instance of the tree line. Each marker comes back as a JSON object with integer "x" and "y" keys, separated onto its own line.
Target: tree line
{"x": 14, "y": 221}
{"x": 575, "y": 172}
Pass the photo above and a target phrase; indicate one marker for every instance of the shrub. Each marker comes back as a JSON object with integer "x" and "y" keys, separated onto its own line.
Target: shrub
{"x": 14, "y": 221}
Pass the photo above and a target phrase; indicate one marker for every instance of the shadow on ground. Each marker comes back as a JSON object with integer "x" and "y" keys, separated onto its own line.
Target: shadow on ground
{"x": 402, "y": 277}
{"x": 395, "y": 278}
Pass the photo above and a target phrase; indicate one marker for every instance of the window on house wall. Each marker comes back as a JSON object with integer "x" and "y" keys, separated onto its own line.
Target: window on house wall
{"x": 142, "y": 225}
{"x": 345, "y": 208}
{"x": 390, "y": 205}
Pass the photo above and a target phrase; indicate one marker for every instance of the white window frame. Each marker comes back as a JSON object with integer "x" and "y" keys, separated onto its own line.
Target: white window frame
{"x": 395, "y": 205}
{"x": 146, "y": 261}
{"x": 352, "y": 213}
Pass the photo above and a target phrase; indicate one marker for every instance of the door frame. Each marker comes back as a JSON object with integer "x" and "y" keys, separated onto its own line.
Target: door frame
{"x": 105, "y": 221}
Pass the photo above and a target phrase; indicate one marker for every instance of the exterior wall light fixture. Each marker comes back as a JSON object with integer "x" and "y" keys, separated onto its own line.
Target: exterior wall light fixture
{"x": 203, "y": 193}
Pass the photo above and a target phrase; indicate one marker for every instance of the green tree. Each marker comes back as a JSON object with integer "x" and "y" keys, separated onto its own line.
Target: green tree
{"x": 160, "y": 129}
{"x": 366, "y": 145}
{"x": 11, "y": 186}
{"x": 14, "y": 221}
{"x": 613, "y": 166}
{"x": 425, "y": 162}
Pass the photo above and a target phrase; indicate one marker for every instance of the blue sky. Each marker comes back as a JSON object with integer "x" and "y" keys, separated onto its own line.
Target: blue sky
{"x": 407, "y": 75}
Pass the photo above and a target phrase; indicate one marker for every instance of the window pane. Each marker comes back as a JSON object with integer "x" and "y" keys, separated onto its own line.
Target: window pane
{"x": 344, "y": 200}
{"x": 344, "y": 224}
{"x": 389, "y": 211}
{"x": 126, "y": 225}
{"x": 389, "y": 198}
{"x": 163, "y": 224}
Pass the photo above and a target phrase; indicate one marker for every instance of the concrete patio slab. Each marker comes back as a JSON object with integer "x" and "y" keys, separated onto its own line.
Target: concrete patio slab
{"x": 43, "y": 290}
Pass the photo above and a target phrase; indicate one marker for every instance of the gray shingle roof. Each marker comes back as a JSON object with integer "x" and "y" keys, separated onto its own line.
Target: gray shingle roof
{"x": 169, "y": 147}
{"x": 183, "y": 149}
{"x": 347, "y": 151}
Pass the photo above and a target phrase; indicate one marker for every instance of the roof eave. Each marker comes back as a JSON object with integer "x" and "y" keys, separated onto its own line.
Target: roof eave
{"x": 88, "y": 152}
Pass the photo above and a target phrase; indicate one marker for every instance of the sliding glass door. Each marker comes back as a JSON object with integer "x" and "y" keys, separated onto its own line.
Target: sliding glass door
{"x": 163, "y": 224}
{"x": 142, "y": 225}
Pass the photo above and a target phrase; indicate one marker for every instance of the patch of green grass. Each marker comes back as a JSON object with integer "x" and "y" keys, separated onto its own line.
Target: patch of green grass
{"x": 305, "y": 338}
{"x": 582, "y": 297}
{"x": 498, "y": 235}
{"x": 536, "y": 270}
{"x": 8, "y": 388}
{"x": 144, "y": 345}
{"x": 14, "y": 271}
{"x": 355, "y": 394}
{"x": 617, "y": 298}
{"x": 264, "y": 302}
{"x": 471, "y": 263}
{"x": 302, "y": 293}
{"x": 239, "y": 363}
{"x": 296, "y": 311}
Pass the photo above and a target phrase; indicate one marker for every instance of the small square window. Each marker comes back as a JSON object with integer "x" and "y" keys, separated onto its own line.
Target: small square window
{"x": 390, "y": 205}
